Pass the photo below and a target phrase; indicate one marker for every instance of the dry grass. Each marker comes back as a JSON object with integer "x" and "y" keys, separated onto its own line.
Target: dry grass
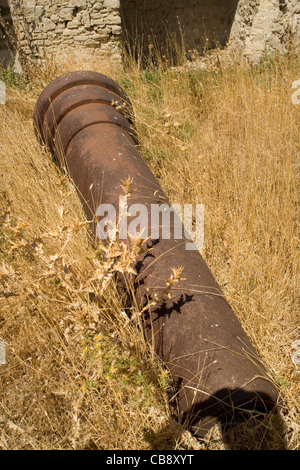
{"x": 78, "y": 374}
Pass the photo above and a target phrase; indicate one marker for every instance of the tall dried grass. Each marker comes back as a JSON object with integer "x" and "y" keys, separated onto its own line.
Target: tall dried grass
{"x": 78, "y": 374}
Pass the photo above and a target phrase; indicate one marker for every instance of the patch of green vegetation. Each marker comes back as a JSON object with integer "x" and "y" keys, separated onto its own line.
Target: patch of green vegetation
{"x": 157, "y": 155}
{"x": 149, "y": 435}
{"x": 14, "y": 80}
{"x": 123, "y": 367}
{"x": 128, "y": 86}
{"x": 152, "y": 78}
{"x": 201, "y": 80}
{"x": 186, "y": 130}
{"x": 282, "y": 382}
{"x": 270, "y": 69}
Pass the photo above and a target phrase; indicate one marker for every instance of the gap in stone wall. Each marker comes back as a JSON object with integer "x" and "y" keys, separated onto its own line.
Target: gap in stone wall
{"x": 194, "y": 25}
{"x": 7, "y": 51}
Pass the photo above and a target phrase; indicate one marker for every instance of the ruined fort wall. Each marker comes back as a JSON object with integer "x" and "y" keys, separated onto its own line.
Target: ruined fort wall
{"x": 251, "y": 26}
{"x": 266, "y": 25}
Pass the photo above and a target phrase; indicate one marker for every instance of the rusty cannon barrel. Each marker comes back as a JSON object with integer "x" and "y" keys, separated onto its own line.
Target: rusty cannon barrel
{"x": 85, "y": 119}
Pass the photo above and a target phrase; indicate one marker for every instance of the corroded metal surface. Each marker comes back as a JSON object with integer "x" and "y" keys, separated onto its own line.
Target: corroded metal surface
{"x": 85, "y": 119}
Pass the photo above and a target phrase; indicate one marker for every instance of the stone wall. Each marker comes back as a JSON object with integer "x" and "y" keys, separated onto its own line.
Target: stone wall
{"x": 265, "y": 25}
{"x": 46, "y": 26}
{"x": 100, "y": 26}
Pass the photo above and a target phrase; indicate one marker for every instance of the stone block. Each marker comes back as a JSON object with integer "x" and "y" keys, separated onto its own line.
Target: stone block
{"x": 29, "y": 12}
{"x": 113, "y": 19}
{"x": 77, "y": 3}
{"x": 39, "y": 11}
{"x": 76, "y": 22}
{"x": 97, "y": 22}
{"x": 48, "y": 25}
{"x": 69, "y": 32}
{"x": 116, "y": 29}
{"x": 98, "y": 6}
{"x": 86, "y": 19}
{"x": 54, "y": 18}
{"x": 112, "y": 4}
{"x": 66, "y": 13}
{"x": 81, "y": 38}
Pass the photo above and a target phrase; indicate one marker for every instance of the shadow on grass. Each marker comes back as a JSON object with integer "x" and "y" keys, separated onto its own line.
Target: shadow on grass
{"x": 245, "y": 430}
